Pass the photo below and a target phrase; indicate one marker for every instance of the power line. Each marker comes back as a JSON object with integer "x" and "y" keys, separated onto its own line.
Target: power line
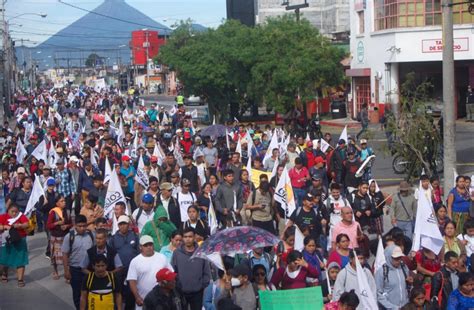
{"x": 114, "y": 18}
{"x": 68, "y": 35}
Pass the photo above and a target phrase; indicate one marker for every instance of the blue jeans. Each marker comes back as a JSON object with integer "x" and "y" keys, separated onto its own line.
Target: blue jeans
{"x": 407, "y": 227}
{"x": 76, "y": 283}
{"x": 299, "y": 195}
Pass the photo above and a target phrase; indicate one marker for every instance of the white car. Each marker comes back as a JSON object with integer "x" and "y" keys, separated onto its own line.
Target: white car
{"x": 193, "y": 100}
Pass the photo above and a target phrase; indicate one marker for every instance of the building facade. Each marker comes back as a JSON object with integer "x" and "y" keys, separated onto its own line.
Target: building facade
{"x": 329, "y": 16}
{"x": 391, "y": 38}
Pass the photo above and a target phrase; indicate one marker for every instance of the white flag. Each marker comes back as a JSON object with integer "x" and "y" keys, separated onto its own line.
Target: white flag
{"x": 275, "y": 168}
{"x": 177, "y": 154}
{"x": 380, "y": 256}
{"x": 93, "y": 159}
{"x": 194, "y": 113}
{"x": 52, "y": 156}
{"x": 324, "y": 145}
{"x": 455, "y": 176}
{"x": 21, "y": 152}
{"x": 114, "y": 194}
{"x": 248, "y": 167}
{"x": 299, "y": 239}
{"x": 284, "y": 194}
{"x": 238, "y": 148}
{"x": 214, "y": 120}
{"x": 165, "y": 119}
{"x": 141, "y": 176}
{"x": 308, "y": 139}
{"x": 41, "y": 152}
{"x": 227, "y": 139}
{"x": 158, "y": 152}
{"x": 120, "y": 133}
{"x": 36, "y": 194}
{"x": 172, "y": 111}
{"x": 426, "y": 232}
{"x": 273, "y": 145}
{"x": 108, "y": 170}
{"x": 366, "y": 295}
{"x": 344, "y": 134}
{"x": 212, "y": 219}
{"x": 216, "y": 259}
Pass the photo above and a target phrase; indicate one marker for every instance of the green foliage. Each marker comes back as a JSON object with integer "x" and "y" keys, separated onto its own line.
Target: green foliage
{"x": 236, "y": 65}
{"x": 416, "y": 137}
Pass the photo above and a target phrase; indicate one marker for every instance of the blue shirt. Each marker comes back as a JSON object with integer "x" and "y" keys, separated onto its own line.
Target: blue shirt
{"x": 130, "y": 179}
{"x": 460, "y": 203}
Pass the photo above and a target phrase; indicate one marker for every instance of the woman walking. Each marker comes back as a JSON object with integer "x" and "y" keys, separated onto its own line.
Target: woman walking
{"x": 14, "y": 253}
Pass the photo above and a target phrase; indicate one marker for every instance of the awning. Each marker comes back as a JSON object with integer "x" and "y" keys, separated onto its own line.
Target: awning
{"x": 358, "y": 72}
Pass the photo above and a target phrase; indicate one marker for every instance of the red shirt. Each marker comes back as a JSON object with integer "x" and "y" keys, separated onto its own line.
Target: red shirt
{"x": 297, "y": 177}
{"x": 428, "y": 264}
{"x": 23, "y": 219}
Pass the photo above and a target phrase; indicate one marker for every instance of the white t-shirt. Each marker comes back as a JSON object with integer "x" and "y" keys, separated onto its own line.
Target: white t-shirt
{"x": 469, "y": 245}
{"x": 184, "y": 202}
{"x": 143, "y": 219}
{"x": 143, "y": 270}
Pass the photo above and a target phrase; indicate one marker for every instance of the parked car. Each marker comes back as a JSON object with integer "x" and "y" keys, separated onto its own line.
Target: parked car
{"x": 193, "y": 100}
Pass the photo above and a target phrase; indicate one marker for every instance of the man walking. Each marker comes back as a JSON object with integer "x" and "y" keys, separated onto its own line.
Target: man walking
{"x": 404, "y": 209}
{"x": 228, "y": 199}
{"x": 142, "y": 270}
{"x": 193, "y": 274}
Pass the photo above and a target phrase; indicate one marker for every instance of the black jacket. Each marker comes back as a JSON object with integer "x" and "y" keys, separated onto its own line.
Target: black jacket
{"x": 92, "y": 254}
{"x": 156, "y": 299}
{"x": 173, "y": 210}
{"x": 361, "y": 204}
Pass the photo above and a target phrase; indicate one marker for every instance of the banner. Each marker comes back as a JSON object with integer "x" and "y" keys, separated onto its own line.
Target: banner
{"x": 255, "y": 176}
{"x": 298, "y": 299}
{"x": 114, "y": 194}
{"x": 141, "y": 176}
{"x": 284, "y": 193}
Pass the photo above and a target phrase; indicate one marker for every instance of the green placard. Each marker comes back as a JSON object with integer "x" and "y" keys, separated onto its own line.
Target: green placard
{"x": 298, "y": 299}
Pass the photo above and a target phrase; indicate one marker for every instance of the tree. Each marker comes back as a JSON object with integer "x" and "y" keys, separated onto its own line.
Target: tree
{"x": 235, "y": 66}
{"x": 416, "y": 138}
{"x": 92, "y": 60}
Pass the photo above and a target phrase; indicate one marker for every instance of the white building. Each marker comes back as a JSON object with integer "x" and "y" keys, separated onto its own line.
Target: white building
{"x": 329, "y": 16}
{"x": 390, "y": 38}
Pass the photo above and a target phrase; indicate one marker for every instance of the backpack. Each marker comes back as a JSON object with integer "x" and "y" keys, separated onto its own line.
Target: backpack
{"x": 405, "y": 275}
{"x": 100, "y": 301}
{"x": 72, "y": 237}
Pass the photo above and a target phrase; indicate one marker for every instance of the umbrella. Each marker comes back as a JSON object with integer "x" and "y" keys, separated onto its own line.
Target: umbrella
{"x": 235, "y": 240}
{"x": 214, "y": 131}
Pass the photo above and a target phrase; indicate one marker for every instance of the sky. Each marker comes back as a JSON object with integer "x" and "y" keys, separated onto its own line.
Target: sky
{"x": 208, "y": 13}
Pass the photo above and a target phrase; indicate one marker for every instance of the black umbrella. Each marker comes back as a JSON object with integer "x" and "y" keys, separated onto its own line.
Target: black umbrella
{"x": 214, "y": 131}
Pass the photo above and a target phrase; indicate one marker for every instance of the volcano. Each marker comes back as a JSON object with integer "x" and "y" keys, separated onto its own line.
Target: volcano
{"x": 96, "y": 33}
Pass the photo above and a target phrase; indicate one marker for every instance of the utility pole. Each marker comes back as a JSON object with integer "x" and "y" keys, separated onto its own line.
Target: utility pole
{"x": 295, "y": 7}
{"x": 3, "y": 84}
{"x": 147, "y": 46}
{"x": 449, "y": 124}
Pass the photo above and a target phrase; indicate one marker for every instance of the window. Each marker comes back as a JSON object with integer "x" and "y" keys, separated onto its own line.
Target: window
{"x": 361, "y": 22}
{"x": 415, "y": 13}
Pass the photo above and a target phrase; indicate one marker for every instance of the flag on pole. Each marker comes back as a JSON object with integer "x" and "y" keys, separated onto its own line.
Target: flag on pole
{"x": 324, "y": 145}
{"x": 165, "y": 119}
{"x": 308, "y": 139}
{"x": 273, "y": 145}
{"x": 36, "y": 194}
{"x": 114, "y": 194}
{"x": 177, "y": 154}
{"x": 194, "y": 113}
{"x": 108, "y": 170}
{"x": 344, "y": 134}
{"x": 248, "y": 167}
{"x": 141, "y": 176}
{"x": 120, "y": 133}
{"x": 227, "y": 139}
{"x": 299, "y": 239}
{"x": 40, "y": 152}
{"x": 212, "y": 219}
{"x": 173, "y": 111}
{"x": 214, "y": 120}
{"x": 93, "y": 159}
{"x": 379, "y": 257}
{"x": 238, "y": 148}
{"x": 366, "y": 295}
{"x": 455, "y": 176}
{"x": 21, "y": 152}
{"x": 284, "y": 194}
{"x": 216, "y": 259}
{"x": 426, "y": 234}
{"x": 275, "y": 168}
{"x": 52, "y": 156}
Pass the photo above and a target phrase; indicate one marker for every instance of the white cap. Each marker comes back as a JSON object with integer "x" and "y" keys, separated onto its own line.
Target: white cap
{"x": 397, "y": 252}
{"x": 145, "y": 239}
{"x": 123, "y": 219}
{"x": 74, "y": 158}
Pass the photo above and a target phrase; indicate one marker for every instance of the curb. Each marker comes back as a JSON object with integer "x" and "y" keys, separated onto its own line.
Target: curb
{"x": 340, "y": 125}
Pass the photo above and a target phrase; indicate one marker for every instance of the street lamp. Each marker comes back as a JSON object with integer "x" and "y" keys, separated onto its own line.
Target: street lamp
{"x": 42, "y": 15}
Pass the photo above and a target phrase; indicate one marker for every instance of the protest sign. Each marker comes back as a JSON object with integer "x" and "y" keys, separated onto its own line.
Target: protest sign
{"x": 297, "y": 299}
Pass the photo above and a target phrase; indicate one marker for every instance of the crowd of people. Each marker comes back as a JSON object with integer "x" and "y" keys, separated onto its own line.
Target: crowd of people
{"x": 184, "y": 183}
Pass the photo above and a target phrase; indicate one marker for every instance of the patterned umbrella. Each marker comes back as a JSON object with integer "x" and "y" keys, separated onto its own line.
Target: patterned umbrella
{"x": 240, "y": 239}
{"x": 214, "y": 131}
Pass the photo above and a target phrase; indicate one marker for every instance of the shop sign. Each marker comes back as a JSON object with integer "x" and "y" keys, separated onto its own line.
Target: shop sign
{"x": 360, "y": 52}
{"x": 436, "y": 45}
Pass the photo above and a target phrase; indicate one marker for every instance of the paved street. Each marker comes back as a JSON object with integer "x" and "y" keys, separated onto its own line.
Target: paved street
{"x": 41, "y": 291}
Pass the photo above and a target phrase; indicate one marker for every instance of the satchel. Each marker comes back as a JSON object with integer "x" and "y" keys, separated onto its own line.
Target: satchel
{"x": 13, "y": 236}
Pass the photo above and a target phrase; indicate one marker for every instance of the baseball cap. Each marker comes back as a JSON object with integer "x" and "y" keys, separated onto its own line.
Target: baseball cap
{"x": 51, "y": 182}
{"x": 60, "y": 161}
{"x": 319, "y": 160}
{"x": 125, "y": 158}
{"x": 341, "y": 141}
{"x": 166, "y": 186}
{"x": 317, "y": 176}
{"x": 145, "y": 239}
{"x": 308, "y": 197}
{"x": 154, "y": 159}
{"x": 309, "y": 144}
{"x": 74, "y": 159}
{"x": 123, "y": 219}
{"x": 100, "y": 128}
{"x": 185, "y": 182}
{"x": 240, "y": 270}
{"x": 175, "y": 174}
{"x": 363, "y": 141}
{"x": 165, "y": 274}
{"x": 397, "y": 252}
{"x": 147, "y": 198}
{"x": 21, "y": 170}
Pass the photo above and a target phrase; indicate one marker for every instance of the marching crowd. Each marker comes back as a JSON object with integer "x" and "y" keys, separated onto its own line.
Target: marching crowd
{"x": 126, "y": 194}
